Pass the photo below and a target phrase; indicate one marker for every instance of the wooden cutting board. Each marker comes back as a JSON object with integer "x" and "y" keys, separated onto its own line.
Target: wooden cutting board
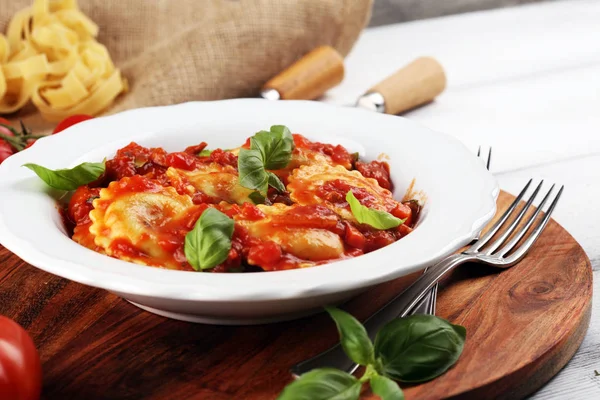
{"x": 523, "y": 325}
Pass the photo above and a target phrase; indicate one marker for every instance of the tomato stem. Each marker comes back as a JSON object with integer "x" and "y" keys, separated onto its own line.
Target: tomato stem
{"x": 10, "y": 128}
{"x": 13, "y": 141}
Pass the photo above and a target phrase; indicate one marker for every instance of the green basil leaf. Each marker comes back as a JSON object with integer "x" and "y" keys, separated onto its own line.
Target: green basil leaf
{"x": 275, "y": 145}
{"x": 208, "y": 244}
{"x": 205, "y": 153}
{"x": 377, "y": 219}
{"x": 353, "y": 337}
{"x": 275, "y": 182}
{"x": 386, "y": 388}
{"x": 323, "y": 384}
{"x": 418, "y": 348}
{"x": 69, "y": 179}
{"x": 252, "y": 171}
{"x": 257, "y": 198}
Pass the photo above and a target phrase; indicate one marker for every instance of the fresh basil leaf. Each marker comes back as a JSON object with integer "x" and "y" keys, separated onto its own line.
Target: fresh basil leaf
{"x": 275, "y": 182}
{"x": 323, "y": 384}
{"x": 252, "y": 173}
{"x": 386, "y": 388}
{"x": 377, "y": 219}
{"x": 205, "y": 153}
{"x": 353, "y": 337}
{"x": 208, "y": 244}
{"x": 69, "y": 179}
{"x": 275, "y": 145}
{"x": 418, "y": 348}
{"x": 257, "y": 198}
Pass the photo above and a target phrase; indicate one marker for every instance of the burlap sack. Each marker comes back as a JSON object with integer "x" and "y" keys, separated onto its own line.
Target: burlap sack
{"x": 172, "y": 51}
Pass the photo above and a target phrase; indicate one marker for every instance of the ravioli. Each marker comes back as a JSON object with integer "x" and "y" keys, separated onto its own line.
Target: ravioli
{"x": 83, "y": 236}
{"x": 328, "y": 185}
{"x": 218, "y": 182}
{"x": 150, "y": 200}
{"x": 139, "y": 220}
{"x": 312, "y": 239}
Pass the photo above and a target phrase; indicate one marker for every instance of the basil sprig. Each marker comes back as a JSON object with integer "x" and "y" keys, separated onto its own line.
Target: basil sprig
{"x": 323, "y": 383}
{"x": 69, "y": 179}
{"x": 377, "y": 219}
{"x": 208, "y": 244}
{"x": 411, "y": 349}
{"x": 269, "y": 150}
{"x": 428, "y": 348}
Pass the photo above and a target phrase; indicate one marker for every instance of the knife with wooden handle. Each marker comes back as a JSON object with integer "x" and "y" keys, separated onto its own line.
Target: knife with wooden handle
{"x": 414, "y": 85}
{"x": 308, "y": 78}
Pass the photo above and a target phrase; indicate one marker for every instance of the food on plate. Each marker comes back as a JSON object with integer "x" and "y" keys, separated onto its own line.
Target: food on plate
{"x": 50, "y": 56}
{"x": 20, "y": 367}
{"x": 280, "y": 201}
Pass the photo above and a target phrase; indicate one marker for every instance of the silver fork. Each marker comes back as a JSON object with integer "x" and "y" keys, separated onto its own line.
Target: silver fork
{"x": 503, "y": 252}
{"x": 427, "y": 304}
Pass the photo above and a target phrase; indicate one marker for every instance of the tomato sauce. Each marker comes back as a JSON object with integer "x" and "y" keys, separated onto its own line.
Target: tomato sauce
{"x": 146, "y": 169}
{"x": 378, "y": 170}
{"x": 338, "y": 154}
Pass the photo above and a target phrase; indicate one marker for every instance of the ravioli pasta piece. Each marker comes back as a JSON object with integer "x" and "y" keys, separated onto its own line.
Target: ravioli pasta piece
{"x": 50, "y": 56}
{"x": 138, "y": 220}
{"x": 328, "y": 185}
{"x": 218, "y": 181}
{"x": 83, "y": 236}
{"x": 310, "y": 240}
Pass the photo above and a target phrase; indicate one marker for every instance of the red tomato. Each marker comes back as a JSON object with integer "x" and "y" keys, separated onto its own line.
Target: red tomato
{"x": 20, "y": 368}
{"x": 70, "y": 121}
{"x": 6, "y": 150}
{"x": 30, "y": 143}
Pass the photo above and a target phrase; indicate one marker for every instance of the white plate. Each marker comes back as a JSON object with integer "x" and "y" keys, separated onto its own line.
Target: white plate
{"x": 461, "y": 199}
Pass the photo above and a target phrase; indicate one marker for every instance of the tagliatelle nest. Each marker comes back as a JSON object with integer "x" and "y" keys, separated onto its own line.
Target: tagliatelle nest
{"x": 51, "y": 57}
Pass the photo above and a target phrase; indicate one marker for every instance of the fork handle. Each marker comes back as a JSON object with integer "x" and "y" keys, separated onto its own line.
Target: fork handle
{"x": 398, "y": 307}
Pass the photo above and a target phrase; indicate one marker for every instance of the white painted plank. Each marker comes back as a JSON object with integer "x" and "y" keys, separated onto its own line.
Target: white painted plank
{"x": 479, "y": 47}
{"x": 528, "y": 121}
{"x": 519, "y": 79}
{"x": 579, "y": 207}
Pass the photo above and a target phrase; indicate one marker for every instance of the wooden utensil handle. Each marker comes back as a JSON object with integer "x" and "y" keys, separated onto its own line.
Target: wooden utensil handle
{"x": 309, "y": 77}
{"x": 416, "y": 84}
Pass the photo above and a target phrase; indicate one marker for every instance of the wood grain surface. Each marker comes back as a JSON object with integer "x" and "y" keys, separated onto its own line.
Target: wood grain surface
{"x": 523, "y": 325}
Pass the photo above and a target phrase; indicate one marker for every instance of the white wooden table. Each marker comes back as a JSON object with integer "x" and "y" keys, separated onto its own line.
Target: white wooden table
{"x": 526, "y": 81}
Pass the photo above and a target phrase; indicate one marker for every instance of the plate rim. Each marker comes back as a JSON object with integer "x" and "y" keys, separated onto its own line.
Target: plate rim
{"x": 282, "y": 288}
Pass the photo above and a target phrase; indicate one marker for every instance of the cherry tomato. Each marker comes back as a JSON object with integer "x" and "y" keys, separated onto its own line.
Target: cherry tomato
{"x": 70, "y": 121}
{"x": 30, "y": 143}
{"x": 20, "y": 368}
{"x": 6, "y": 150}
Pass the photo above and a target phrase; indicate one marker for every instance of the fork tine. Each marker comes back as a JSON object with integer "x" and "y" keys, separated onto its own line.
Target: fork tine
{"x": 513, "y": 225}
{"x": 513, "y": 242}
{"x": 479, "y": 152}
{"x": 489, "y": 234}
{"x": 521, "y": 251}
{"x": 489, "y": 159}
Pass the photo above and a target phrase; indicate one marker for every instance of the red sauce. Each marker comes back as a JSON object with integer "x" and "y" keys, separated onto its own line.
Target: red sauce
{"x": 337, "y": 153}
{"x": 223, "y": 157}
{"x": 378, "y": 170}
{"x": 196, "y": 149}
{"x": 145, "y": 170}
{"x": 80, "y": 204}
{"x": 335, "y": 192}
